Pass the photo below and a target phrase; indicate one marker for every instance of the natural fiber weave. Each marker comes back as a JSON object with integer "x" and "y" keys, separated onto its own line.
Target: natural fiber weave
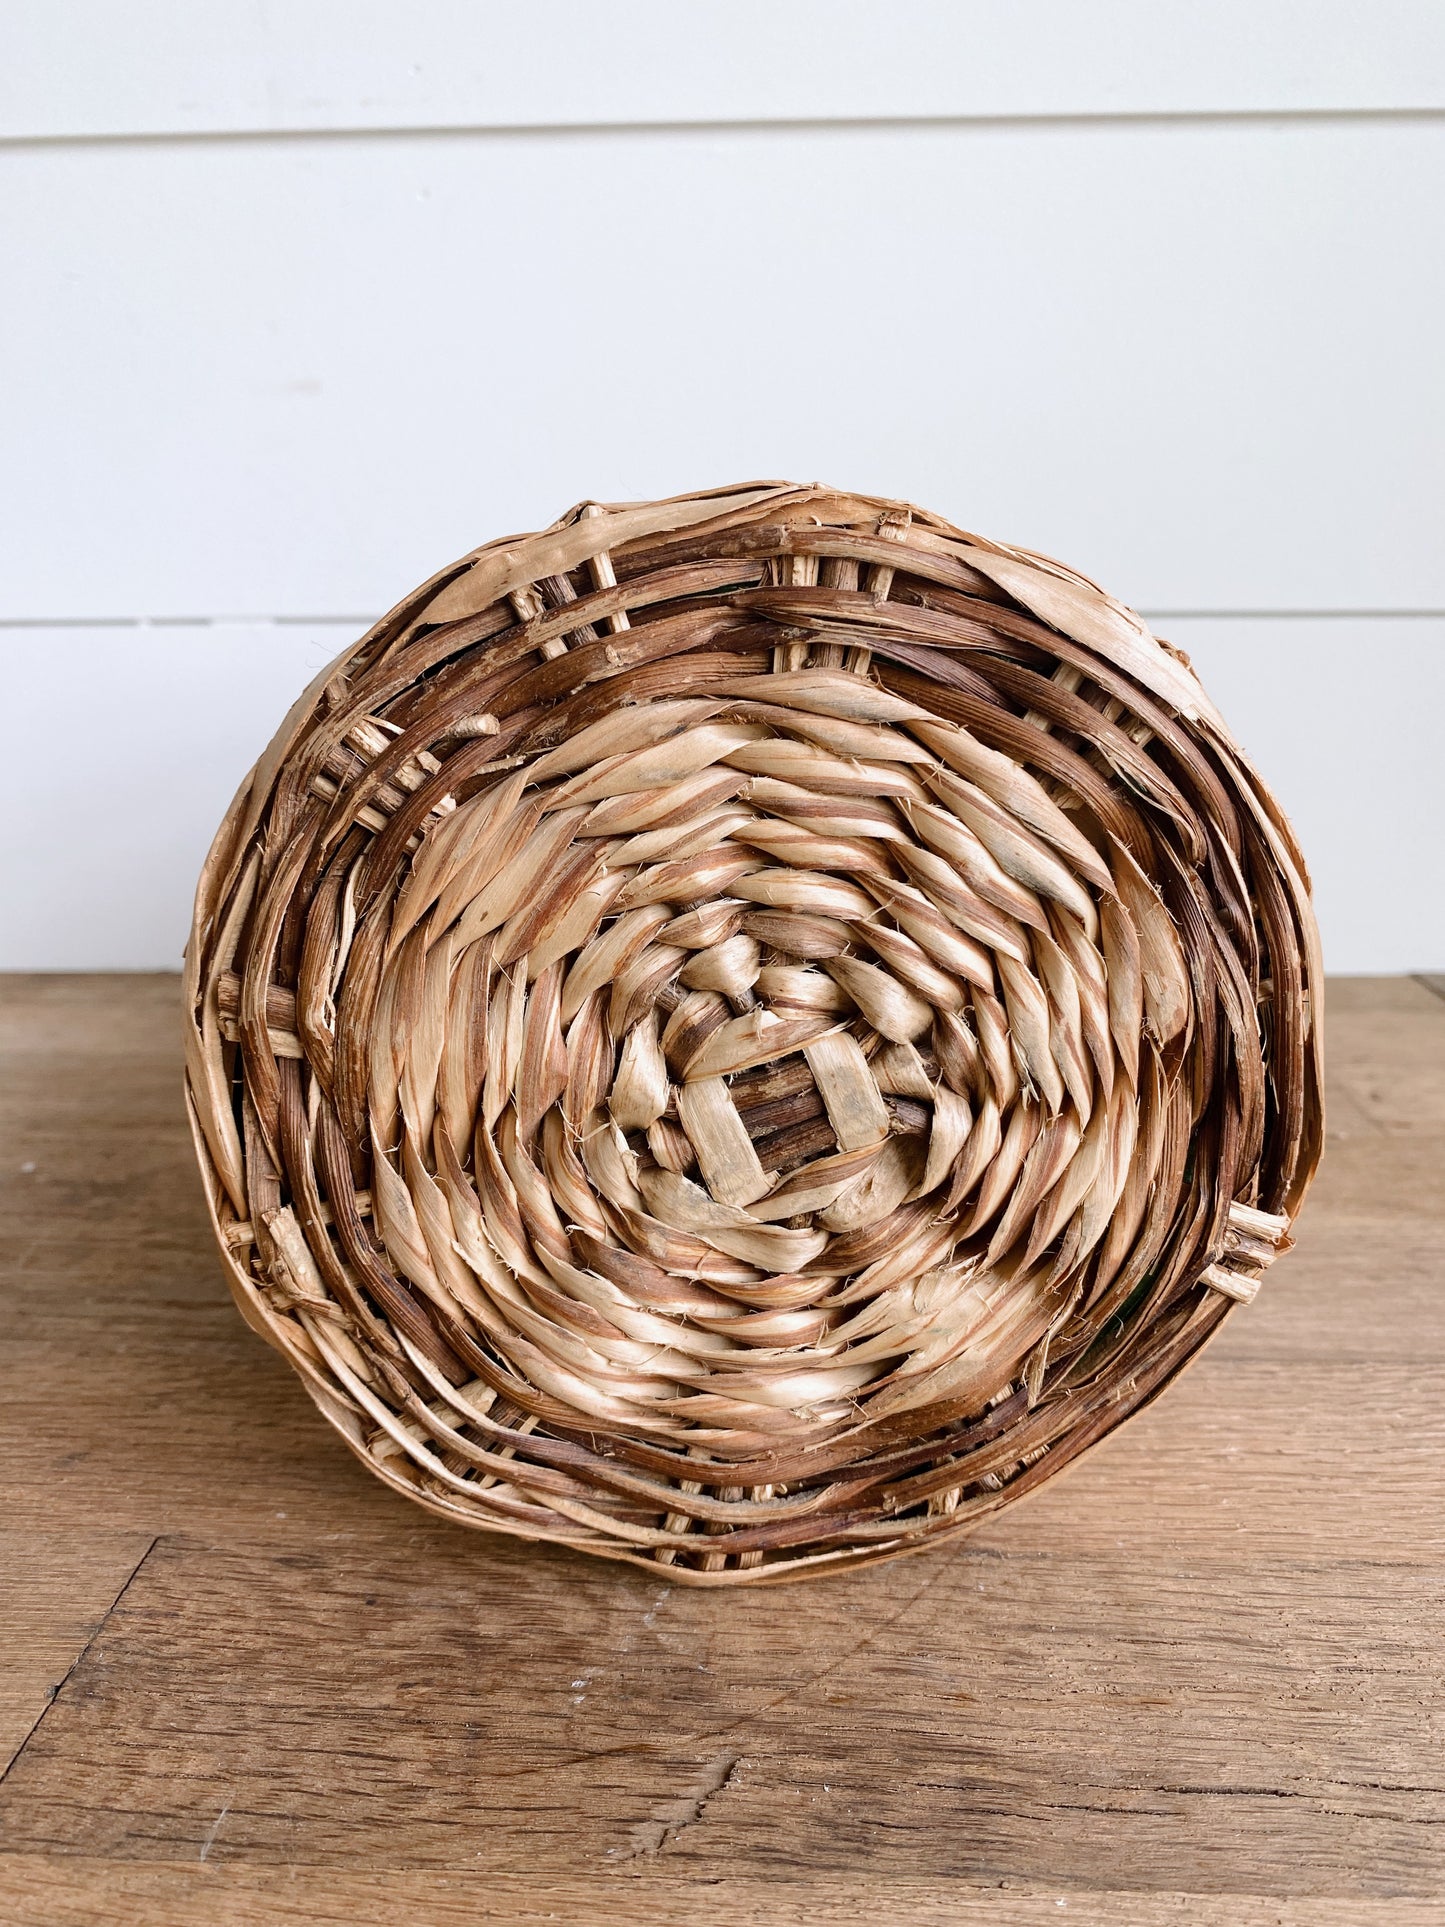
{"x": 744, "y": 1033}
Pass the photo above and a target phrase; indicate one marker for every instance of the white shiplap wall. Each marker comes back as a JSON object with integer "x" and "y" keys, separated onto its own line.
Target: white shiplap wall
{"x": 87, "y": 67}
{"x": 306, "y": 301}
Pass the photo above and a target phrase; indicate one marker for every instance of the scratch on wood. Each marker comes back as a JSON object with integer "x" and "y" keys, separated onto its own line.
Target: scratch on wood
{"x": 652, "y": 1835}
{"x": 649, "y": 1618}
{"x": 210, "y": 1838}
{"x": 941, "y": 1569}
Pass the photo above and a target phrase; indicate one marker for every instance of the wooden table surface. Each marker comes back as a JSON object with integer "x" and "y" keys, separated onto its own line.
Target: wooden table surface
{"x": 1196, "y": 1680}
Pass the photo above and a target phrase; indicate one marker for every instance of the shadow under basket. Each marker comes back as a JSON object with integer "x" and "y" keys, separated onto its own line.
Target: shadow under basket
{"x": 744, "y": 1033}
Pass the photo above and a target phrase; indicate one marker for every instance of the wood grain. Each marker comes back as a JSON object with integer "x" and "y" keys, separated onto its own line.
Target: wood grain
{"x": 55, "y": 1591}
{"x": 1045, "y": 1715}
{"x": 47, "y": 1893}
{"x": 1199, "y": 1679}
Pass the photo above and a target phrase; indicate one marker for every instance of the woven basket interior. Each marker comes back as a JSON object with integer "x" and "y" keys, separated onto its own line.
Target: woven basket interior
{"x": 744, "y": 1033}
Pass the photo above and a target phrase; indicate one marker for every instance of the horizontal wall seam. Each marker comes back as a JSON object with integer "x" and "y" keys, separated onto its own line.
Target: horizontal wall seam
{"x": 363, "y": 622}
{"x": 1157, "y": 119}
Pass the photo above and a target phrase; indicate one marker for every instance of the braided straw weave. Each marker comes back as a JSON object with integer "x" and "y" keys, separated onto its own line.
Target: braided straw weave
{"x": 743, "y": 1033}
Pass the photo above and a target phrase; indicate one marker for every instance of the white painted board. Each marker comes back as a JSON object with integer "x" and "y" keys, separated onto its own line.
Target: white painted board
{"x": 92, "y": 67}
{"x": 1343, "y": 720}
{"x": 292, "y": 377}
{"x": 127, "y": 745}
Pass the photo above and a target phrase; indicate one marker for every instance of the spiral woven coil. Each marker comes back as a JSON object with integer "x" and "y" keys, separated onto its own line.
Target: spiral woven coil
{"x": 743, "y": 1033}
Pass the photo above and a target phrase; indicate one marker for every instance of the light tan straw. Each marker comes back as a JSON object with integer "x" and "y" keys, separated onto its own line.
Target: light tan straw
{"x": 743, "y": 1033}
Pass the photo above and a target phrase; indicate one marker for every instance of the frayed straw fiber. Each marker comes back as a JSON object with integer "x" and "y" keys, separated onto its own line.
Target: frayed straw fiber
{"x": 744, "y": 1033}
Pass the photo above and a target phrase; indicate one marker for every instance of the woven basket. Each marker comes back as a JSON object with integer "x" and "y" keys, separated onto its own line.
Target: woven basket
{"x": 744, "y": 1033}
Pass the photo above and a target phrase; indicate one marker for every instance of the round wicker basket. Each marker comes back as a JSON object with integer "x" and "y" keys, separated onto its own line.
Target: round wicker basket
{"x": 744, "y": 1033}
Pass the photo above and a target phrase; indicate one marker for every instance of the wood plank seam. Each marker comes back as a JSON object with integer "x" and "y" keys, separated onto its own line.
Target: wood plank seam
{"x": 79, "y": 1659}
